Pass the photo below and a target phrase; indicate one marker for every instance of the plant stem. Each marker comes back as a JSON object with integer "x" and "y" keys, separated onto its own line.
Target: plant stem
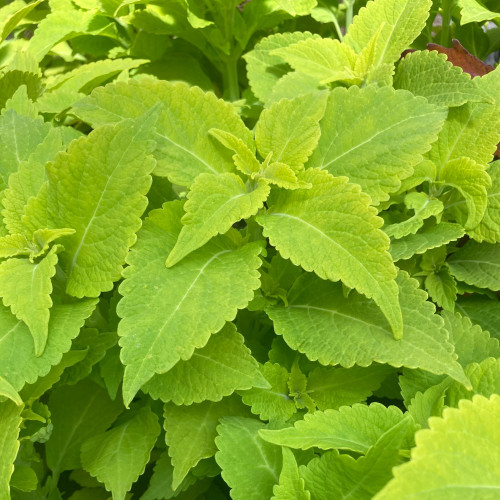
{"x": 445, "y": 26}
{"x": 349, "y": 13}
{"x": 230, "y": 78}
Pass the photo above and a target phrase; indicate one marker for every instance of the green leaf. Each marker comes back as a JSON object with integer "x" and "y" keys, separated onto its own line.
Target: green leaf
{"x": 65, "y": 90}
{"x": 455, "y": 458}
{"x": 402, "y": 21}
{"x": 64, "y": 325}
{"x": 184, "y": 146}
{"x": 429, "y": 403}
{"x": 28, "y": 180}
{"x": 431, "y": 236}
{"x": 472, "y": 181}
{"x": 367, "y": 131}
{"x": 341, "y": 476}
{"x": 310, "y": 227}
{"x": 289, "y": 129}
{"x": 320, "y": 322}
{"x": 485, "y": 380}
{"x": 9, "y": 24}
{"x": 244, "y": 157}
{"x": 473, "y": 11}
{"x": 250, "y": 465}
{"x": 110, "y": 189}
{"x": 272, "y": 403}
{"x": 191, "y": 300}
{"x": 442, "y": 288}
{"x": 477, "y": 264}
{"x": 432, "y": 76}
{"x": 481, "y": 311}
{"x": 265, "y": 69}
{"x": 291, "y": 485}
{"x": 224, "y": 365}
{"x": 423, "y": 207}
{"x": 119, "y": 456}
{"x": 354, "y": 428}
{"x": 297, "y": 7}
{"x": 19, "y": 138}
{"x": 7, "y": 391}
{"x": 78, "y": 412}
{"x": 10, "y": 421}
{"x": 469, "y": 131}
{"x": 25, "y": 287}
{"x": 215, "y": 203}
{"x": 472, "y": 344}
{"x": 191, "y": 431}
{"x": 488, "y": 229}
{"x": 332, "y": 387}
{"x": 324, "y": 59}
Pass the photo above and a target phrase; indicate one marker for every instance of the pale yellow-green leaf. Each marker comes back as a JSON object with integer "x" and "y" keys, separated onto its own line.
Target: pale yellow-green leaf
{"x": 291, "y": 485}
{"x": 472, "y": 11}
{"x": 332, "y": 230}
{"x": 10, "y": 422}
{"x": 6, "y": 390}
{"x": 214, "y": 204}
{"x": 456, "y": 458}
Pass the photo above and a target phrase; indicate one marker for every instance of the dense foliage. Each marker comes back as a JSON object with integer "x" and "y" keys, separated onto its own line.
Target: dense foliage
{"x": 248, "y": 250}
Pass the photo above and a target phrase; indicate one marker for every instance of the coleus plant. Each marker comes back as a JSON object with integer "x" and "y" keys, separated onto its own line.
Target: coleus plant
{"x": 248, "y": 251}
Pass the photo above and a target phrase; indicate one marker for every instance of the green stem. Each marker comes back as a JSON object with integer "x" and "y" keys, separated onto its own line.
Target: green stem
{"x": 337, "y": 28}
{"x": 349, "y": 13}
{"x": 230, "y": 78}
{"x": 445, "y": 27}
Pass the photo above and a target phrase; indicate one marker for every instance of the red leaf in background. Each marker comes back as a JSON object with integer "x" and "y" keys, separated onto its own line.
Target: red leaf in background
{"x": 459, "y": 56}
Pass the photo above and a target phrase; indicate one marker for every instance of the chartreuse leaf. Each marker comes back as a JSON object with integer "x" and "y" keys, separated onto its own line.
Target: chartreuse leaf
{"x": 272, "y": 403}
{"x": 110, "y": 188}
{"x": 473, "y": 11}
{"x": 430, "y": 236}
{"x": 333, "y": 387}
{"x": 431, "y": 75}
{"x": 482, "y": 311}
{"x": 320, "y": 322}
{"x": 366, "y": 131}
{"x": 442, "y": 288}
{"x": 215, "y": 203}
{"x": 429, "y": 403}
{"x": 264, "y": 69}
{"x": 16, "y": 16}
{"x": 310, "y": 227}
{"x": 25, "y": 287}
{"x": 456, "y": 458}
{"x": 214, "y": 371}
{"x": 10, "y": 421}
{"x": 403, "y": 21}
{"x": 184, "y": 146}
{"x": 423, "y": 207}
{"x": 7, "y": 391}
{"x": 355, "y": 428}
{"x": 191, "y": 301}
{"x": 469, "y": 131}
{"x": 19, "y": 138}
{"x": 297, "y": 7}
{"x": 78, "y": 412}
{"x": 485, "y": 380}
{"x": 289, "y": 129}
{"x": 324, "y": 59}
{"x": 28, "y": 180}
{"x": 335, "y": 475}
{"x": 118, "y": 456}
{"x": 191, "y": 431}
{"x": 65, "y": 90}
{"x": 291, "y": 485}
{"x": 244, "y": 156}
{"x": 472, "y": 181}
{"x": 250, "y": 465}
{"x": 18, "y": 364}
{"x": 472, "y": 344}
{"x": 477, "y": 264}
{"x": 489, "y": 228}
